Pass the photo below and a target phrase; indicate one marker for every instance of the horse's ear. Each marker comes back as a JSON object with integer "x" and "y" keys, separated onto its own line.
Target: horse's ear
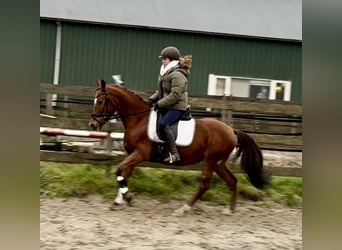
{"x": 98, "y": 82}
{"x": 103, "y": 84}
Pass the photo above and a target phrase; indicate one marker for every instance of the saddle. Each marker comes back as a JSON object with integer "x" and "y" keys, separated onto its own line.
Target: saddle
{"x": 174, "y": 127}
{"x": 183, "y": 130}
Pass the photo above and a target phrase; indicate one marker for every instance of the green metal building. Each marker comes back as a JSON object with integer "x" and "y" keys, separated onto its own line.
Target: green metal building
{"x": 102, "y": 40}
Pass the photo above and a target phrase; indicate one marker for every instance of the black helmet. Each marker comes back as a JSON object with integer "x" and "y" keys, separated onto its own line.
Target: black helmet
{"x": 170, "y": 52}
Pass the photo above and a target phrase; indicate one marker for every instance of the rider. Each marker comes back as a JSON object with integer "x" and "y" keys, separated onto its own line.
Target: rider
{"x": 171, "y": 97}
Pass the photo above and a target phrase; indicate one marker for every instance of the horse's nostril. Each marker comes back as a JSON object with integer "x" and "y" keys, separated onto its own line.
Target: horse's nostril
{"x": 92, "y": 125}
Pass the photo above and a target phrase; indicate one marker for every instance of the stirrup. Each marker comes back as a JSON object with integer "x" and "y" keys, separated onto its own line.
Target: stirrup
{"x": 172, "y": 158}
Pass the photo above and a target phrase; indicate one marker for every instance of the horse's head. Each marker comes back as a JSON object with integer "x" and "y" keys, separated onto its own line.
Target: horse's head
{"x": 103, "y": 108}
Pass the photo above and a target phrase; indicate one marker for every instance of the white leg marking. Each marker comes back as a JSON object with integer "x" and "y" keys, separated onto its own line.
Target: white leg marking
{"x": 119, "y": 198}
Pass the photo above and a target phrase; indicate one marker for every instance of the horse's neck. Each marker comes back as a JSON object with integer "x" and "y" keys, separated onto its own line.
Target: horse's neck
{"x": 130, "y": 106}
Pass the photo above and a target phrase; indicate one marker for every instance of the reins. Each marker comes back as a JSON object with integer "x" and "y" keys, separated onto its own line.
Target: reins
{"x": 131, "y": 114}
{"x": 106, "y": 117}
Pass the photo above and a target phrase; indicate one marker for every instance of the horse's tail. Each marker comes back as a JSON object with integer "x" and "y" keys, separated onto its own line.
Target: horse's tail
{"x": 251, "y": 160}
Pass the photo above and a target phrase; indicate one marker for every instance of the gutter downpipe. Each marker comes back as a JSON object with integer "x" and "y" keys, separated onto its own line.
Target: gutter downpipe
{"x": 57, "y": 59}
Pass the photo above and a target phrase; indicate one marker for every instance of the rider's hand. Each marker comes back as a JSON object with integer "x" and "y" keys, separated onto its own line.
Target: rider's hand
{"x": 156, "y": 107}
{"x": 150, "y": 101}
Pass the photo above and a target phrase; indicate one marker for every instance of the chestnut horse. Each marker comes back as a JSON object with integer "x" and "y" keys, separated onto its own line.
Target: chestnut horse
{"x": 212, "y": 144}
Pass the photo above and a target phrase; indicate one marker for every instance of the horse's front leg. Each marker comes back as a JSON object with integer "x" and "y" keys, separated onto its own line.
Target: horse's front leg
{"x": 123, "y": 172}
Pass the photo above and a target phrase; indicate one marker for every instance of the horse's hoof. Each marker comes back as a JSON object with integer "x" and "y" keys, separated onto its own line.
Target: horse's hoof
{"x": 227, "y": 211}
{"x": 128, "y": 197}
{"x": 114, "y": 206}
{"x": 182, "y": 210}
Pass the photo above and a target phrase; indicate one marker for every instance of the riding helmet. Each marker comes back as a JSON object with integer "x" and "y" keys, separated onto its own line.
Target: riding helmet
{"x": 170, "y": 52}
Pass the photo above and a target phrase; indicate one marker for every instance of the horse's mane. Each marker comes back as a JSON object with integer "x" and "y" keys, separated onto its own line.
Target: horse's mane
{"x": 126, "y": 90}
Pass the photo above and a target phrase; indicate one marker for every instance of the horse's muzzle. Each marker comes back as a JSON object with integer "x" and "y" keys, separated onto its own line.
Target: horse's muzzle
{"x": 96, "y": 124}
{"x": 93, "y": 125}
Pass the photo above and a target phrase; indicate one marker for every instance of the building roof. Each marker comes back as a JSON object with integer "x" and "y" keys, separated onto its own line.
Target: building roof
{"x": 271, "y": 19}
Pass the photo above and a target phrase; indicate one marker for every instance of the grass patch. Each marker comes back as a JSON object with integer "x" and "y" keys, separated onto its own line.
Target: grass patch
{"x": 67, "y": 180}
{"x": 77, "y": 180}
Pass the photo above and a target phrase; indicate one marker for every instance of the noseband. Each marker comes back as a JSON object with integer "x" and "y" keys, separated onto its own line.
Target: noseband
{"x": 104, "y": 115}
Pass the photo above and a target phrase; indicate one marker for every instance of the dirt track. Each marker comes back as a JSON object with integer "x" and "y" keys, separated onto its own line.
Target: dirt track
{"x": 148, "y": 224}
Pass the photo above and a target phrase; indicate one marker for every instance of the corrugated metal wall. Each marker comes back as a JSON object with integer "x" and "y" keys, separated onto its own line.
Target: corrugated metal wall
{"x": 47, "y": 51}
{"x": 93, "y": 51}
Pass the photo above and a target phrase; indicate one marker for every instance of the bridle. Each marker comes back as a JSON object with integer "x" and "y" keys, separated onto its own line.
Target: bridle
{"x": 105, "y": 116}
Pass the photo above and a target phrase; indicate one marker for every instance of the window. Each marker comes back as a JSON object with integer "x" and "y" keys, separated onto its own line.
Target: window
{"x": 249, "y": 87}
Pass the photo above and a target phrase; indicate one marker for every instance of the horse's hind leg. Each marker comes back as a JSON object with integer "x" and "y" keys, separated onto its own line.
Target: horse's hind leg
{"x": 207, "y": 173}
{"x": 231, "y": 181}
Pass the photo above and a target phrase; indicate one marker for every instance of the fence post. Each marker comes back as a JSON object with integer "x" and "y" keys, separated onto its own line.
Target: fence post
{"x": 227, "y": 115}
{"x": 66, "y": 106}
{"x": 109, "y": 152}
{"x": 48, "y": 104}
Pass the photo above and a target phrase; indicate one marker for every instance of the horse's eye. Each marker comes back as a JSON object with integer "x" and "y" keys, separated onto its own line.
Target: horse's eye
{"x": 99, "y": 102}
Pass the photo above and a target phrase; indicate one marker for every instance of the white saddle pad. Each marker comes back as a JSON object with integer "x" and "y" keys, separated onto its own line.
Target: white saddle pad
{"x": 186, "y": 130}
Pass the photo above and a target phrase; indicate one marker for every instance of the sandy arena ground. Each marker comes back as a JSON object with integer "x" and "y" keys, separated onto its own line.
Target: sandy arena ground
{"x": 88, "y": 224}
{"x": 149, "y": 224}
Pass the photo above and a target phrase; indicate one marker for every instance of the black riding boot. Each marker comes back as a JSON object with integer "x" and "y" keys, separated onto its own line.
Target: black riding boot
{"x": 170, "y": 140}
